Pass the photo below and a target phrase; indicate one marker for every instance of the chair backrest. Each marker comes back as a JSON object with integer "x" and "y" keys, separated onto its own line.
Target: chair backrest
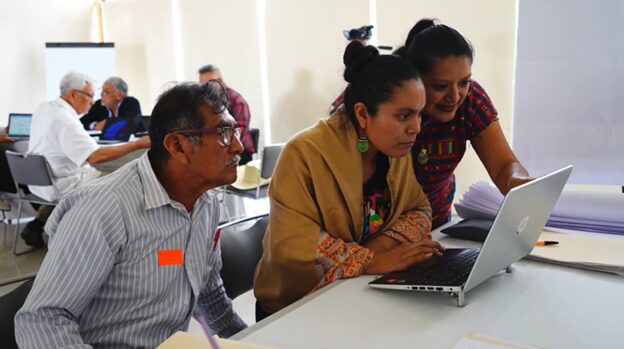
{"x": 29, "y": 169}
{"x": 270, "y": 154}
{"x": 241, "y": 250}
{"x": 255, "y": 137}
{"x": 10, "y": 303}
{"x": 7, "y": 184}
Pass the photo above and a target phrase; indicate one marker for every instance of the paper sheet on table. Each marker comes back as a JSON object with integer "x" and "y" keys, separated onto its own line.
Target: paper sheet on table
{"x": 479, "y": 341}
{"x": 185, "y": 340}
{"x": 588, "y": 252}
{"x": 599, "y": 212}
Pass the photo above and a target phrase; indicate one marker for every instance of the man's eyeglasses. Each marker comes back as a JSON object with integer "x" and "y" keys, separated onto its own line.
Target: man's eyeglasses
{"x": 90, "y": 95}
{"x": 226, "y": 133}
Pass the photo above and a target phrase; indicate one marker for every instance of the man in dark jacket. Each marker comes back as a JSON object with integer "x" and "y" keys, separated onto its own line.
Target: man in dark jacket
{"x": 114, "y": 102}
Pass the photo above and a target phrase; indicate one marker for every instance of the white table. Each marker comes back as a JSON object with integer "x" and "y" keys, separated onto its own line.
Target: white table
{"x": 21, "y": 146}
{"x": 113, "y": 165}
{"x": 537, "y": 304}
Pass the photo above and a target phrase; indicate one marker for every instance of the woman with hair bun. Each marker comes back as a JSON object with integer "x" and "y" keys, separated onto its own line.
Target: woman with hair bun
{"x": 344, "y": 200}
{"x": 457, "y": 110}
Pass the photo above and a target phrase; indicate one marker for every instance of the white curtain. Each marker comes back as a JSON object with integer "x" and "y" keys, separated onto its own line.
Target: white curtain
{"x": 569, "y": 99}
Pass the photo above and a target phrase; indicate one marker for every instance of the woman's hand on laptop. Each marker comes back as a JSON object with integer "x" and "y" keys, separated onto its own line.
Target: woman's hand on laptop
{"x": 402, "y": 256}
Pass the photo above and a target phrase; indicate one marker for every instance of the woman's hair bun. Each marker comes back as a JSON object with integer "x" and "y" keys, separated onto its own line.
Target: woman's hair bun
{"x": 356, "y": 57}
{"x": 421, "y": 25}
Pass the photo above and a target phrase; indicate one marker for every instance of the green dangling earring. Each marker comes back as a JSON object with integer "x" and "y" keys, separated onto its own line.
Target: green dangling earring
{"x": 362, "y": 143}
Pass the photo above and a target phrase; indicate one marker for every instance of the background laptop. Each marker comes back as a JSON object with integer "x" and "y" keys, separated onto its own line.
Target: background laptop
{"x": 516, "y": 228}
{"x": 143, "y": 128}
{"x": 117, "y": 130}
{"x": 19, "y": 125}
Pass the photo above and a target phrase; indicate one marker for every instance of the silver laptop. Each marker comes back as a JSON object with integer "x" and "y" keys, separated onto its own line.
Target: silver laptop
{"x": 516, "y": 228}
{"x": 19, "y": 125}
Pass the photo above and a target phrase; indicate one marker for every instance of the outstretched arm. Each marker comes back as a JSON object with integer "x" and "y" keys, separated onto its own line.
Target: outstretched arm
{"x": 499, "y": 160}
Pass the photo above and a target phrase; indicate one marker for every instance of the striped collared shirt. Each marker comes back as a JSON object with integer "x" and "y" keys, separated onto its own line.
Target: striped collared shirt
{"x": 106, "y": 282}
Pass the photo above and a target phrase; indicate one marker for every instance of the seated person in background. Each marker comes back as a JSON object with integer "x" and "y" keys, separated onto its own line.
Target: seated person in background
{"x": 4, "y": 137}
{"x": 134, "y": 254}
{"x": 56, "y": 133}
{"x": 6, "y": 184}
{"x": 114, "y": 102}
{"x": 238, "y": 108}
{"x": 344, "y": 200}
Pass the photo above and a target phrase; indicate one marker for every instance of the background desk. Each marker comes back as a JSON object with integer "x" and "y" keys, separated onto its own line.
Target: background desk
{"x": 113, "y": 165}
{"x": 21, "y": 146}
{"x": 538, "y": 304}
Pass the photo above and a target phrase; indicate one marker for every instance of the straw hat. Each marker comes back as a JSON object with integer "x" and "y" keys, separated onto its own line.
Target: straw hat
{"x": 247, "y": 176}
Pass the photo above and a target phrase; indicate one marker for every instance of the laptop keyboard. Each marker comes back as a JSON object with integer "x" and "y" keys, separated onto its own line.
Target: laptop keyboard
{"x": 451, "y": 269}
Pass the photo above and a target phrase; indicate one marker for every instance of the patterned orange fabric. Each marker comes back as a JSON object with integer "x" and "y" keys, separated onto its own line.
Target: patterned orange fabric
{"x": 336, "y": 259}
{"x": 411, "y": 226}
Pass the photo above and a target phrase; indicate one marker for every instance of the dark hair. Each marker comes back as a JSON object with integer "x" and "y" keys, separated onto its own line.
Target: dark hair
{"x": 178, "y": 109}
{"x": 372, "y": 77}
{"x": 209, "y": 68}
{"x": 429, "y": 41}
{"x": 417, "y": 28}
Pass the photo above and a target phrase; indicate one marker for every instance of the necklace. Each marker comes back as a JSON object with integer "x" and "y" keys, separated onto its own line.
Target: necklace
{"x": 422, "y": 156}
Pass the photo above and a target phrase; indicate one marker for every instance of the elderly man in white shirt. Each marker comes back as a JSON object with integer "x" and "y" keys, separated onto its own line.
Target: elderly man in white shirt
{"x": 57, "y": 134}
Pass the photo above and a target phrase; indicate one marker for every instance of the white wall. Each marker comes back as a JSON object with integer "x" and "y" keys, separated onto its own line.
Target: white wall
{"x": 570, "y": 77}
{"x": 25, "y": 27}
{"x": 304, "y": 51}
{"x": 224, "y": 34}
{"x": 305, "y": 47}
{"x": 143, "y": 35}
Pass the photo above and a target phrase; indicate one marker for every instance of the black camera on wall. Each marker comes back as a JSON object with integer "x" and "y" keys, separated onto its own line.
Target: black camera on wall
{"x": 361, "y": 33}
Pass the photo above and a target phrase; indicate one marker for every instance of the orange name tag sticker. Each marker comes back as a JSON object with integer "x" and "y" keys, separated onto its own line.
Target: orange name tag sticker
{"x": 170, "y": 257}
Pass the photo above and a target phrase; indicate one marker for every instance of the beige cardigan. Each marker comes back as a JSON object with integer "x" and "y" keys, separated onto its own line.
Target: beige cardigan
{"x": 317, "y": 186}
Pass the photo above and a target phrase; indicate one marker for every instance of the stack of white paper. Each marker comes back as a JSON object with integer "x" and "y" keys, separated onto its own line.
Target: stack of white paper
{"x": 595, "y": 252}
{"x": 576, "y": 210}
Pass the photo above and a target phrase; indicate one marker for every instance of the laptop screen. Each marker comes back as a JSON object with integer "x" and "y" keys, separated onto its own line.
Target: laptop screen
{"x": 118, "y": 129}
{"x": 19, "y": 125}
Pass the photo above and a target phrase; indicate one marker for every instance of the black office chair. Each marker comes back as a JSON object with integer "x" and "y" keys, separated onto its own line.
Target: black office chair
{"x": 7, "y": 184}
{"x": 143, "y": 126}
{"x": 270, "y": 154}
{"x": 241, "y": 250}
{"x": 10, "y": 303}
{"x": 28, "y": 169}
{"x": 255, "y": 138}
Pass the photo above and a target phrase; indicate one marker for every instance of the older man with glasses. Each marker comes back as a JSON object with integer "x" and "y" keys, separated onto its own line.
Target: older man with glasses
{"x": 131, "y": 273}
{"x": 57, "y": 134}
{"x": 114, "y": 102}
